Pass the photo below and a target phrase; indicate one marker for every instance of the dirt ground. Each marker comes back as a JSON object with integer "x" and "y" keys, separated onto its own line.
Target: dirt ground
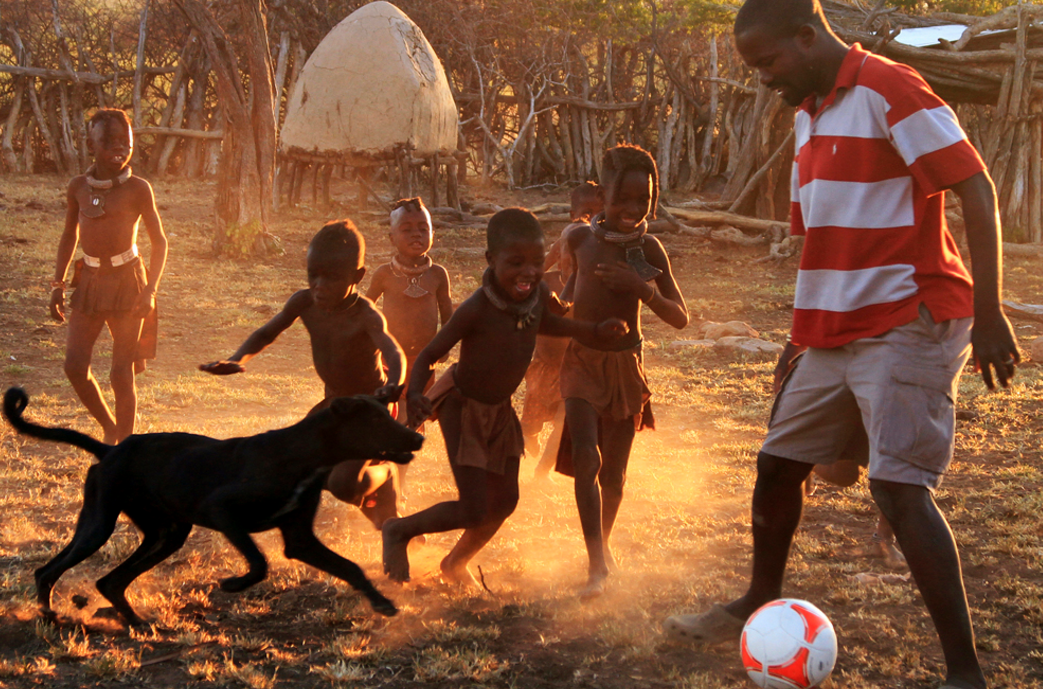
{"x": 682, "y": 538}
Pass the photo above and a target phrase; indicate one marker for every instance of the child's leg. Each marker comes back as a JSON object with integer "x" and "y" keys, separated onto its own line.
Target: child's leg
{"x": 617, "y": 439}
{"x": 586, "y": 458}
{"x": 469, "y": 511}
{"x": 884, "y": 540}
{"x": 550, "y": 452}
{"x": 843, "y": 472}
{"x": 83, "y": 332}
{"x": 125, "y": 330}
{"x": 503, "y": 498}
{"x": 531, "y": 423}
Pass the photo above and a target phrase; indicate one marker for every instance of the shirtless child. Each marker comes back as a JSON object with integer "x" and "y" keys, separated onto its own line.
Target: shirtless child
{"x": 103, "y": 209}
{"x": 542, "y": 403}
{"x": 415, "y": 288}
{"x": 617, "y": 268}
{"x": 350, "y": 345}
{"x": 496, "y": 328}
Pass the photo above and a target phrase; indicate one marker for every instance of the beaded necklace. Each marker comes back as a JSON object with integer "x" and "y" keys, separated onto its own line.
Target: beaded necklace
{"x": 412, "y": 274}
{"x": 99, "y": 189}
{"x": 632, "y": 243}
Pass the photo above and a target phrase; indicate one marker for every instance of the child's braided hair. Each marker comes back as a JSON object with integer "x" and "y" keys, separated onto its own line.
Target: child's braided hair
{"x": 106, "y": 117}
{"x": 622, "y": 159}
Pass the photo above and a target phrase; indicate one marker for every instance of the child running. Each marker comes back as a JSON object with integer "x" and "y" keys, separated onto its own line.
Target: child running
{"x": 618, "y": 267}
{"x": 350, "y": 348}
{"x": 415, "y": 289}
{"x": 104, "y": 207}
{"x": 496, "y": 328}
{"x": 586, "y": 202}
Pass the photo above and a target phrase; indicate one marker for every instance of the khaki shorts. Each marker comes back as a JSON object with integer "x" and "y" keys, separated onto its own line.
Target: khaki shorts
{"x": 898, "y": 389}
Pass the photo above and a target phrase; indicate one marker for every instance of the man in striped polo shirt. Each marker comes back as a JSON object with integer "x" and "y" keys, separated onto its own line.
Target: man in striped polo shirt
{"x": 883, "y": 302}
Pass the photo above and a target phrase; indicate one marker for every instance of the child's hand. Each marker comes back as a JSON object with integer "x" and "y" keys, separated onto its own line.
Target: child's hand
{"x": 389, "y": 394}
{"x": 419, "y": 408}
{"x": 611, "y": 329}
{"x": 145, "y": 303}
{"x": 222, "y": 368}
{"x": 621, "y": 277}
{"x": 58, "y": 304}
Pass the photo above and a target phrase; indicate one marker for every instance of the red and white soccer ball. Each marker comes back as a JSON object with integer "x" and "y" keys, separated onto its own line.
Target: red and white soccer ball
{"x": 788, "y": 644}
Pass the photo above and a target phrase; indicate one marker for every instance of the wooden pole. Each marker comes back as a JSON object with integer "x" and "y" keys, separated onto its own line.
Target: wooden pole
{"x": 140, "y": 64}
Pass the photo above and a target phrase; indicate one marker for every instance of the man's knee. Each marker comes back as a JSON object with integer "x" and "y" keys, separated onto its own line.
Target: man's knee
{"x": 897, "y": 499}
{"x": 775, "y": 471}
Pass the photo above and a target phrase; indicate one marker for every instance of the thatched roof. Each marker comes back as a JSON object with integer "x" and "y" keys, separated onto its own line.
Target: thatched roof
{"x": 373, "y": 86}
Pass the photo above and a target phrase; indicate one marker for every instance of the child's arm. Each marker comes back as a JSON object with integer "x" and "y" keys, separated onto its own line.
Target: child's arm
{"x": 444, "y": 296}
{"x": 437, "y": 349}
{"x": 584, "y": 332}
{"x": 157, "y": 253}
{"x": 666, "y": 301}
{"x": 66, "y": 247}
{"x": 376, "y": 286}
{"x": 262, "y": 337}
{"x": 391, "y": 354}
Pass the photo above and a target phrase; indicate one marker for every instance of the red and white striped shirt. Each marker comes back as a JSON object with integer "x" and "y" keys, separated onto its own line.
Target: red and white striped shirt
{"x": 871, "y": 164}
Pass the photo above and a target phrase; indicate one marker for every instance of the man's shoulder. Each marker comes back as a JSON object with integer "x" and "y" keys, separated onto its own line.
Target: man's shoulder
{"x": 889, "y": 78}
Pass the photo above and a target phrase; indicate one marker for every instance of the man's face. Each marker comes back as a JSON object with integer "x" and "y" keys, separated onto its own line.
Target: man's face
{"x": 783, "y": 64}
{"x": 112, "y": 145}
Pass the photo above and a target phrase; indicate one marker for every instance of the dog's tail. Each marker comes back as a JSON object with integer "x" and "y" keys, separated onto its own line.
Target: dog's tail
{"x": 15, "y": 401}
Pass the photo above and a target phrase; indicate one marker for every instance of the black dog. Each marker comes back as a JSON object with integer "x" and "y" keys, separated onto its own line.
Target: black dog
{"x": 168, "y": 482}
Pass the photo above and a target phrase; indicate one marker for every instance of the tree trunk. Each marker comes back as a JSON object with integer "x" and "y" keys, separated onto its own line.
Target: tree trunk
{"x": 247, "y": 164}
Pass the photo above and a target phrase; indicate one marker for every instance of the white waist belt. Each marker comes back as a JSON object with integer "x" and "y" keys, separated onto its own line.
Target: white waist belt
{"x": 117, "y": 260}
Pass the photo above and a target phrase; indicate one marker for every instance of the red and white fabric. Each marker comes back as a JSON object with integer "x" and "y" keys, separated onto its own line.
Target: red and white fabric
{"x": 872, "y": 163}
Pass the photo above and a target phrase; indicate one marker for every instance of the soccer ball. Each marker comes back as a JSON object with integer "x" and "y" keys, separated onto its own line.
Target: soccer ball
{"x": 788, "y": 644}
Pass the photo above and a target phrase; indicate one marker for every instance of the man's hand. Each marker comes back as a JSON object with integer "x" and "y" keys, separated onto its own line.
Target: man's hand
{"x": 58, "y": 304}
{"x": 145, "y": 303}
{"x": 611, "y": 329}
{"x": 994, "y": 348}
{"x": 621, "y": 277}
{"x": 222, "y": 368}
{"x": 389, "y": 394}
{"x": 419, "y": 408}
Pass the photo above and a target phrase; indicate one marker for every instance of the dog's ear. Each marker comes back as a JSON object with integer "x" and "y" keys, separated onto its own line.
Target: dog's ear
{"x": 346, "y": 406}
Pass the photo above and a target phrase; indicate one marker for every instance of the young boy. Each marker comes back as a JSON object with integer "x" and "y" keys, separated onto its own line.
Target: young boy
{"x": 112, "y": 288}
{"x": 586, "y": 203}
{"x": 415, "y": 288}
{"x": 617, "y": 268}
{"x": 496, "y": 328}
{"x": 350, "y": 347}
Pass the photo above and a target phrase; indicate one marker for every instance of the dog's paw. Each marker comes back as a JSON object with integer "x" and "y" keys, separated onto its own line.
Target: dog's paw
{"x": 383, "y": 606}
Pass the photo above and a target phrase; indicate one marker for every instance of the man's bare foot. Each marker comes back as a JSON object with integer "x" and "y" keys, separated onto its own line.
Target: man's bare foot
{"x": 457, "y": 575}
{"x": 395, "y": 557}
{"x": 809, "y": 485}
{"x": 595, "y": 587}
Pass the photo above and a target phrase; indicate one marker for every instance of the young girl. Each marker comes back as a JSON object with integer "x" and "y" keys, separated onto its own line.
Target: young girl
{"x": 618, "y": 266}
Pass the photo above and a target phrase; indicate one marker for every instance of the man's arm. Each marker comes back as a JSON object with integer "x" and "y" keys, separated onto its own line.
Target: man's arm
{"x": 157, "y": 252}
{"x": 262, "y": 337}
{"x": 992, "y": 337}
{"x": 66, "y": 247}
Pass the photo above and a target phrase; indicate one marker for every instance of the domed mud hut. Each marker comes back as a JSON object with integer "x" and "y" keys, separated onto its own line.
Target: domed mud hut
{"x": 372, "y": 94}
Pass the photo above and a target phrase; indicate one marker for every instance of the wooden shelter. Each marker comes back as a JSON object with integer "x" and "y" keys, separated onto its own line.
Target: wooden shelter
{"x": 372, "y": 94}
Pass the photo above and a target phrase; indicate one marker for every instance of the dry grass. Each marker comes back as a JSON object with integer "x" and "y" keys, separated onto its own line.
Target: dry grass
{"x": 682, "y": 540}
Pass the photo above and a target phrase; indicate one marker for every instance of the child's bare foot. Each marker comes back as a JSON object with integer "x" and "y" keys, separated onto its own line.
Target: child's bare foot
{"x": 395, "y": 557}
{"x": 809, "y": 485}
{"x": 891, "y": 555}
{"x": 595, "y": 587}
{"x": 457, "y": 575}
{"x": 110, "y": 437}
